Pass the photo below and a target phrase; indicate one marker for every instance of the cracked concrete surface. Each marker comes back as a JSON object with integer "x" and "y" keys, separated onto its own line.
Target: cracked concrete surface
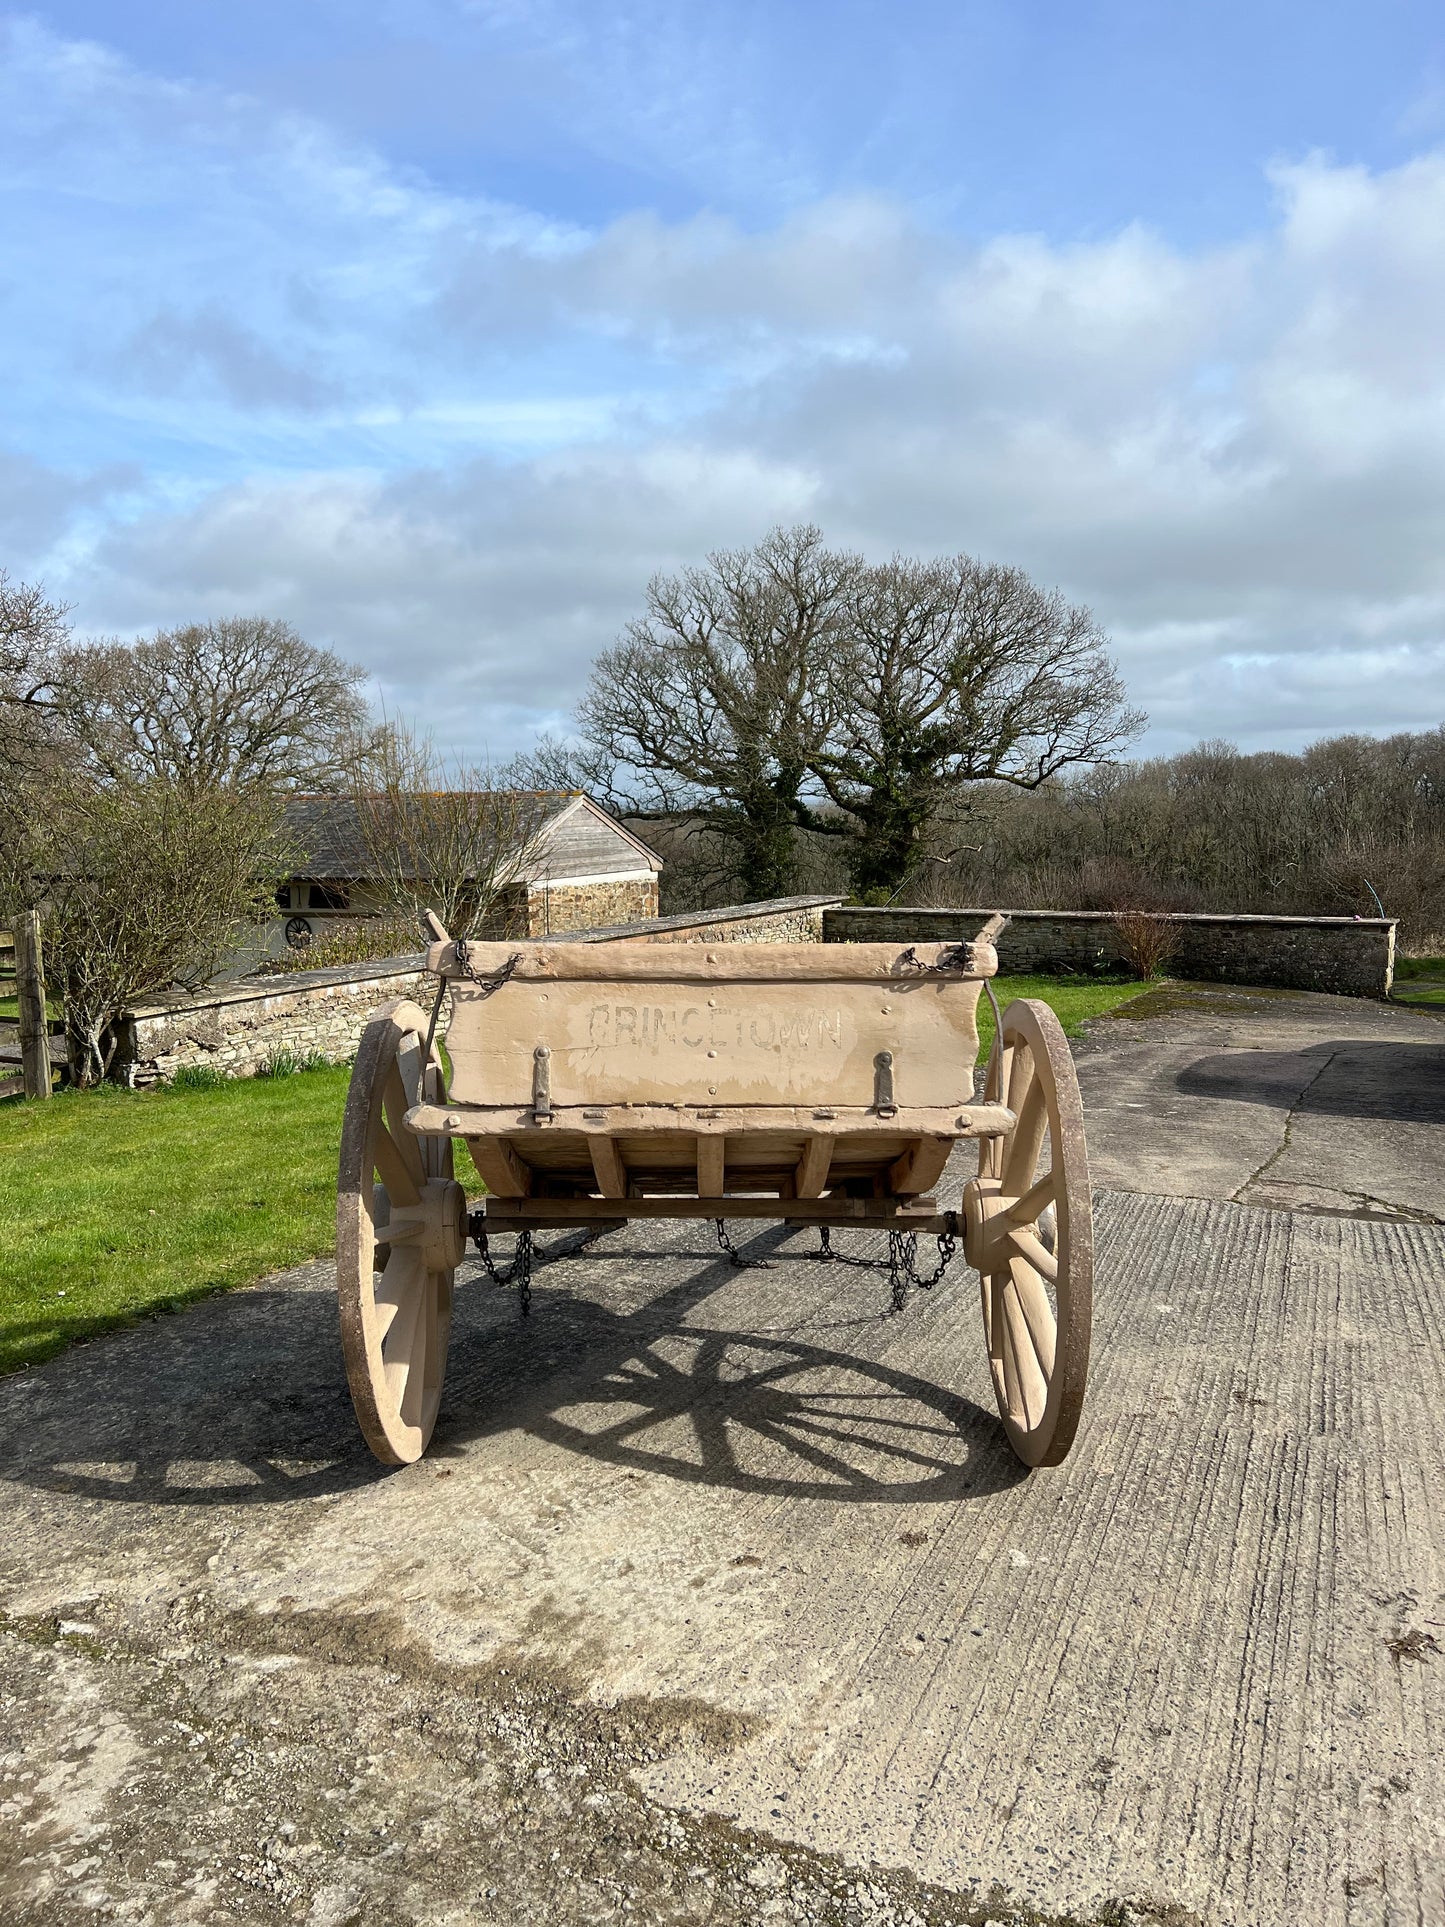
{"x": 1282, "y": 1098}
{"x": 720, "y": 1598}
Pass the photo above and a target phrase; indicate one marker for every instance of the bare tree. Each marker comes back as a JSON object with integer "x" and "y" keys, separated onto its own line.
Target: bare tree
{"x": 34, "y": 632}
{"x": 953, "y": 673}
{"x": 241, "y": 701}
{"x": 716, "y": 702}
{"x": 440, "y": 833}
{"x": 146, "y": 885}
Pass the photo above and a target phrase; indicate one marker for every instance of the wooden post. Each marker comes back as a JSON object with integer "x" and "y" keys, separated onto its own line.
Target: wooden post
{"x": 30, "y": 991}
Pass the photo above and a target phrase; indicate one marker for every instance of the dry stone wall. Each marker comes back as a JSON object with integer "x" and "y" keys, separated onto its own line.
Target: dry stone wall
{"x": 1351, "y": 956}
{"x": 239, "y": 1028}
{"x": 578, "y": 907}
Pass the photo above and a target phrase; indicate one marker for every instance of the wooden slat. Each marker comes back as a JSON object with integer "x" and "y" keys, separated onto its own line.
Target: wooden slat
{"x": 711, "y": 1165}
{"x": 920, "y": 1168}
{"x": 781, "y": 963}
{"x": 507, "y": 1214}
{"x": 608, "y": 1167}
{"x": 499, "y": 1167}
{"x": 30, "y": 992}
{"x": 609, "y": 1120}
{"x": 812, "y": 1172}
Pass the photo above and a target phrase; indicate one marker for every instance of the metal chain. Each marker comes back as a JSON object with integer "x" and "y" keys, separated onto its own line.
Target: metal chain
{"x": 734, "y": 1256}
{"x": 954, "y": 957}
{"x": 463, "y": 951}
{"x": 519, "y": 1272}
{"x": 901, "y": 1264}
{"x": 486, "y": 985}
{"x": 901, "y": 1248}
{"x": 527, "y": 1258}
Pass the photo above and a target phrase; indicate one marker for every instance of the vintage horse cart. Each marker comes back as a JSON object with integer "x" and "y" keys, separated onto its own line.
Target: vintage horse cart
{"x": 823, "y": 1084}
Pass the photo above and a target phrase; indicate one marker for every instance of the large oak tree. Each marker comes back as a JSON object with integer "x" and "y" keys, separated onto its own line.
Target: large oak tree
{"x": 951, "y": 673}
{"x": 716, "y": 703}
{"x": 790, "y": 686}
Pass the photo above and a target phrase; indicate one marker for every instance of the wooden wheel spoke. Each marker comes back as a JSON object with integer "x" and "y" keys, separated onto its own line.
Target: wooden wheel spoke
{"x": 1021, "y": 1073}
{"x": 1035, "y": 1201}
{"x": 1008, "y": 1358}
{"x": 1027, "y": 1290}
{"x": 394, "y": 1095}
{"x": 401, "y": 1174}
{"x": 1026, "y": 1140}
{"x": 419, "y": 1364}
{"x": 408, "y": 1066}
{"x": 401, "y": 1298}
{"x": 1035, "y": 1251}
{"x": 403, "y": 1233}
{"x": 1028, "y": 1375}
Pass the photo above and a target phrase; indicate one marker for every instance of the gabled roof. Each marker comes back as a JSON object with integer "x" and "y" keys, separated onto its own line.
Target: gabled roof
{"x": 327, "y": 831}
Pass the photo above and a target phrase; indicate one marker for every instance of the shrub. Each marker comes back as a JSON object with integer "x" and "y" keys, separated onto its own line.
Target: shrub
{"x": 1149, "y": 941}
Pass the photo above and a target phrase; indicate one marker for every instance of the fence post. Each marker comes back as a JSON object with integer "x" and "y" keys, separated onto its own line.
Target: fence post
{"x": 30, "y": 993}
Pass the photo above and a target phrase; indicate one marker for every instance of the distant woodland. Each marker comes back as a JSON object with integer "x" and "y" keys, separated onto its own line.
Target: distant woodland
{"x": 1347, "y": 825}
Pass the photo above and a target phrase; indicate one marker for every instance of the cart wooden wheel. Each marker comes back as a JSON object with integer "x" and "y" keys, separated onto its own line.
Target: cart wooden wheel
{"x": 1029, "y": 1233}
{"x": 400, "y": 1234}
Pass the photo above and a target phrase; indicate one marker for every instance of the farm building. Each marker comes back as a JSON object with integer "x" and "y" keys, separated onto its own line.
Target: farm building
{"x": 575, "y": 866}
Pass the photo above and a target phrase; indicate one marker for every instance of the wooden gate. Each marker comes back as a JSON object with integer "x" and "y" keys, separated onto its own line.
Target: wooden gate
{"x": 25, "y": 1036}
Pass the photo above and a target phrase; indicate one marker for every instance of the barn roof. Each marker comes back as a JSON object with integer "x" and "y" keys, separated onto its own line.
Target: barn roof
{"x": 327, "y": 830}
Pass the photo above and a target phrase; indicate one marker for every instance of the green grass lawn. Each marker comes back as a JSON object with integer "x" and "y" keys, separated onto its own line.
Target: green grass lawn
{"x": 117, "y": 1205}
{"x": 1419, "y": 980}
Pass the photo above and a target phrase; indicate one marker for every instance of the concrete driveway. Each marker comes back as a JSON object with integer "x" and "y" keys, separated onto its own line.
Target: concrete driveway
{"x": 720, "y": 1599}
{"x": 1281, "y": 1098}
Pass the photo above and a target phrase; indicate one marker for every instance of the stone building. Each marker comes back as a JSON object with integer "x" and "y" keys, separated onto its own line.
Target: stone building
{"x": 576, "y": 867}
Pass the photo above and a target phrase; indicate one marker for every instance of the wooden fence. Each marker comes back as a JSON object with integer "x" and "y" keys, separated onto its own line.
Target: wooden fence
{"x": 25, "y": 1039}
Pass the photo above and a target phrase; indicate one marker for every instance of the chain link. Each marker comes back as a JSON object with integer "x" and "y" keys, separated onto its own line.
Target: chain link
{"x": 901, "y": 1264}
{"x": 486, "y": 984}
{"x": 734, "y": 1256}
{"x": 527, "y": 1257}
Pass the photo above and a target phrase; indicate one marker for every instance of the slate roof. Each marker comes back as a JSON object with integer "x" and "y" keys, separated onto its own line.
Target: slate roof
{"x": 326, "y": 831}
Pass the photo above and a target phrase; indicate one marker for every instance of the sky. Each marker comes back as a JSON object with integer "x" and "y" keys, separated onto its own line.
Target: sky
{"x": 437, "y": 328}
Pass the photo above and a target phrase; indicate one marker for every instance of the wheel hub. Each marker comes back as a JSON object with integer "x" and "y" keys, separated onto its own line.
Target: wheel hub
{"x": 441, "y": 1221}
{"x": 983, "y": 1201}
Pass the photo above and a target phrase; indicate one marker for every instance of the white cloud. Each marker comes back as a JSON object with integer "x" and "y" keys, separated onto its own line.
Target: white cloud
{"x": 454, "y": 438}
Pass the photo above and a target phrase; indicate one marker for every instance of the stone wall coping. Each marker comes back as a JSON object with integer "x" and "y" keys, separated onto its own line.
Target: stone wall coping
{"x": 255, "y": 990}
{"x": 695, "y": 919}
{"x": 903, "y": 912}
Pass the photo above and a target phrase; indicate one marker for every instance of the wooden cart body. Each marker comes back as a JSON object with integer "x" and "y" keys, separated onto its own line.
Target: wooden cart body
{"x": 822, "y": 1083}
{"x": 620, "y": 1072}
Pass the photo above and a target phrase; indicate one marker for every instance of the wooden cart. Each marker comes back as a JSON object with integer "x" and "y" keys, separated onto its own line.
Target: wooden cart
{"x": 818, "y": 1083}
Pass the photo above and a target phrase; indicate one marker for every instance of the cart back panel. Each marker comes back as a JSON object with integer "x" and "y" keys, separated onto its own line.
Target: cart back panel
{"x": 740, "y": 1025}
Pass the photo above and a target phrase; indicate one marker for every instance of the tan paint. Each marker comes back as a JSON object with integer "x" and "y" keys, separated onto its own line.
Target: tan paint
{"x": 716, "y": 1043}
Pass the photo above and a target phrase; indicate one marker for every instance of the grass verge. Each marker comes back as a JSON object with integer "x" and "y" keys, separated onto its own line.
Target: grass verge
{"x": 118, "y": 1205}
{"x": 1420, "y": 981}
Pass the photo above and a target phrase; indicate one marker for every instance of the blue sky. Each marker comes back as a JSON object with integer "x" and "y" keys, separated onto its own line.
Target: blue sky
{"x": 437, "y": 328}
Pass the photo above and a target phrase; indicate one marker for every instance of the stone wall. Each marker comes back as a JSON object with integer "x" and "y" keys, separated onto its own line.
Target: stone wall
{"x": 1352, "y": 956}
{"x": 556, "y": 907}
{"x": 783, "y": 920}
{"x": 236, "y": 1028}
